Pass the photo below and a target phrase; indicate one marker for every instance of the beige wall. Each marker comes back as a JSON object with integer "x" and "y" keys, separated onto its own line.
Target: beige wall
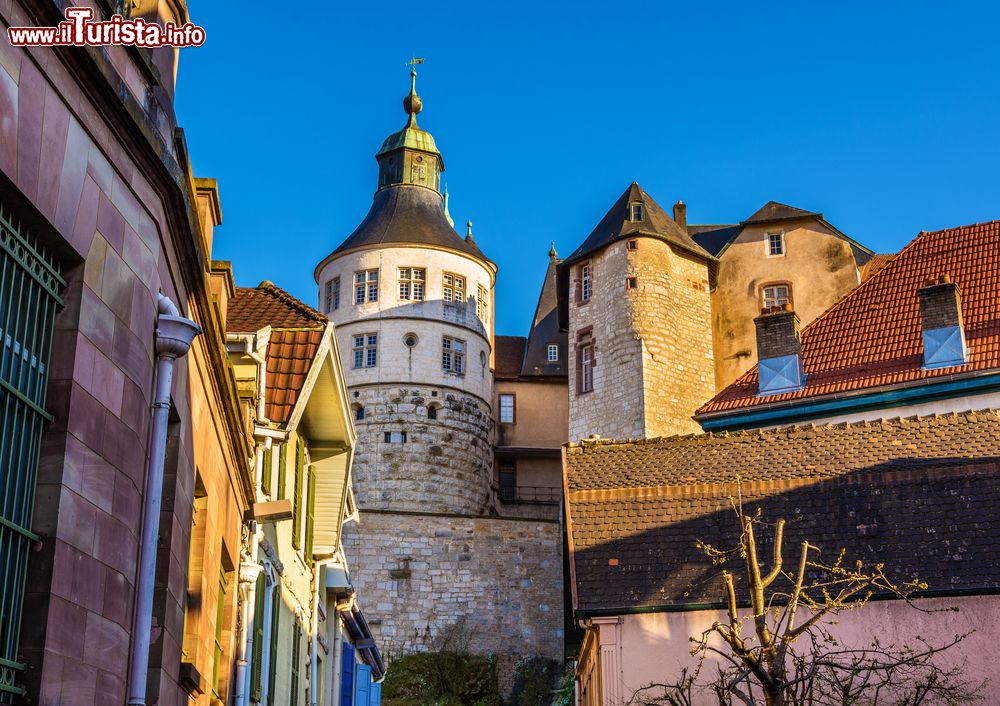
{"x": 955, "y": 404}
{"x": 541, "y": 413}
{"x": 636, "y": 650}
{"x": 818, "y": 264}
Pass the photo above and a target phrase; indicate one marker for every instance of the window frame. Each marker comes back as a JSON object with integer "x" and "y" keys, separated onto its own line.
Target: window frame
{"x": 482, "y": 305}
{"x": 366, "y": 286}
{"x": 633, "y": 205}
{"x": 548, "y": 353}
{"x": 367, "y": 352}
{"x": 585, "y": 342}
{"x": 450, "y": 292}
{"x": 780, "y": 235}
{"x": 762, "y": 294}
{"x": 632, "y": 244}
{"x": 585, "y": 282}
{"x": 411, "y": 283}
{"x": 508, "y": 491}
{"x": 513, "y": 407}
{"x": 331, "y": 295}
{"x": 631, "y": 283}
{"x": 455, "y": 357}
{"x": 395, "y": 437}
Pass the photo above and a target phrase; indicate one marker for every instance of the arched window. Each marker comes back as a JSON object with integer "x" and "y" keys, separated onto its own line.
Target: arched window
{"x": 359, "y": 413}
{"x": 432, "y": 412}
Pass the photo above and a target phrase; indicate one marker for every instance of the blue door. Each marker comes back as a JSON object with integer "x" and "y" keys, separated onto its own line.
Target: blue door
{"x": 347, "y": 675}
{"x": 375, "y": 696}
{"x": 362, "y": 684}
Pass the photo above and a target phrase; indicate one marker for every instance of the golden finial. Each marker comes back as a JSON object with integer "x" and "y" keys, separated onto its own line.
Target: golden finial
{"x": 412, "y": 103}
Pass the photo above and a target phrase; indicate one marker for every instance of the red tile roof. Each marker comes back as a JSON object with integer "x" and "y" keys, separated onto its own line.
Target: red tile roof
{"x": 295, "y": 338}
{"x": 875, "y": 263}
{"x": 920, "y": 494}
{"x": 871, "y": 338}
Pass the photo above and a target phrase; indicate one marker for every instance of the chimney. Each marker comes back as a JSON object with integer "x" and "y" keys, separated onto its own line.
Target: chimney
{"x": 680, "y": 214}
{"x": 779, "y": 351}
{"x": 941, "y": 325}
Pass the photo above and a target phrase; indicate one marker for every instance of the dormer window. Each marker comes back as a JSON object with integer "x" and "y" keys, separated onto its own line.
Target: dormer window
{"x": 636, "y": 212}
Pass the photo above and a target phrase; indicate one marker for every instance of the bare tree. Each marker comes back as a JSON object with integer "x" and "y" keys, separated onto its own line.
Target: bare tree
{"x": 781, "y": 652}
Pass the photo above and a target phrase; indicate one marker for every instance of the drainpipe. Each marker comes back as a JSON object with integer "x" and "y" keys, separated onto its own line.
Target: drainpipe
{"x": 320, "y": 564}
{"x": 174, "y": 335}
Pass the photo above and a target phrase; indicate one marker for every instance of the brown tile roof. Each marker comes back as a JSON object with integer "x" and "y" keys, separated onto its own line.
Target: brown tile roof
{"x": 871, "y": 338}
{"x": 920, "y": 494}
{"x": 295, "y": 338}
{"x": 508, "y": 356}
{"x": 875, "y": 263}
{"x": 266, "y": 304}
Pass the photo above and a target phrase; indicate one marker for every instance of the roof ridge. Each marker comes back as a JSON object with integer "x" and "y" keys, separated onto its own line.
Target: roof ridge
{"x": 286, "y": 298}
{"x": 897, "y": 421}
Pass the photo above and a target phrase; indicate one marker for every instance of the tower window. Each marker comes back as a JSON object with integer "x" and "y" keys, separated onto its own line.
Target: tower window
{"x": 585, "y": 369}
{"x": 482, "y": 304}
{"x": 453, "y": 289}
{"x": 453, "y": 355}
{"x": 775, "y": 244}
{"x": 506, "y": 409}
{"x": 365, "y": 286}
{"x": 332, "y": 295}
{"x": 631, "y": 282}
{"x": 632, "y": 244}
{"x": 432, "y": 412}
{"x": 366, "y": 350}
{"x": 507, "y": 471}
{"x": 411, "y": 283}
{"x": 636, "y": 212}
{"x": 775, "y": 295}
{"x": 359, "y": 414}
{"x": 552, "y": 353}
{"x": 586, "y": 283}
{"x": 410, "y": 340}
{"x": 395, "y": 437}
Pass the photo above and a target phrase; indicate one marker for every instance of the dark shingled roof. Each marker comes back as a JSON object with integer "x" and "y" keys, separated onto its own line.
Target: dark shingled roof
{"x": 545, "y": 330}
{"x": 774, "y": 211}
{"x": 921, "y": 495}
{"x": 508, "y": 355}
{"x": 714, "y": 238}
{"x": 616, "y": 225}
{"x": 298, "y": 332}
{"x": 405, "y": 214}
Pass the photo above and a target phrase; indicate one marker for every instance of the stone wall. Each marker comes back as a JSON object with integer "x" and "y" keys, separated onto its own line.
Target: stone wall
{"x": 445, "y": 465}
{"x": 499, "y": 580}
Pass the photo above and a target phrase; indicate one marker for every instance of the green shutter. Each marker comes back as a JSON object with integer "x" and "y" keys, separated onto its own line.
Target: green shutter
{"x": 257, "y": 664}
{"x": 272, "y": 670}
{"x": 282, "y": 472}
{"x": 293, "y": 692}
{"x": 310, "y": 512}
{"x": 265, "y": 474}
{"x": 297, "y": 495}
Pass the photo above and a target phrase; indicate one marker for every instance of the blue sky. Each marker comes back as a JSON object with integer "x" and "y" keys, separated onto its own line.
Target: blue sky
{"x": 884, "y": 116}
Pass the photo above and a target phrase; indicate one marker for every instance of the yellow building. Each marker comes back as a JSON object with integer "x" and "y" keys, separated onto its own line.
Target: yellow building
{"x": 291, "y": 382}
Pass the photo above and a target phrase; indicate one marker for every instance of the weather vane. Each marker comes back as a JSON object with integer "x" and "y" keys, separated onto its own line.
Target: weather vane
{"x": 412, "y": 63}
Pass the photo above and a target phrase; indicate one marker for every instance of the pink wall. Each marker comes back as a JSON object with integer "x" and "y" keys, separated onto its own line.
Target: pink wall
{"x": 639, "y": 649}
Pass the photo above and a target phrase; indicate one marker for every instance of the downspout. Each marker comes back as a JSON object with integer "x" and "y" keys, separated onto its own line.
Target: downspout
{"x": 174, "y": 335}
{"x": 320, "y": 564}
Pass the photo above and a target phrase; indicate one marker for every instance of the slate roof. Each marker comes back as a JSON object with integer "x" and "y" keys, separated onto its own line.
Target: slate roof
{"x": 406, "y": 214}
{"x": 920, "y": 494}
{"x": 616, "y": 226}
{"x": 774, "y": 211}
{"x": 714, "y": 238}
{"x": 545, "y": 330}
{"x": 508, "y": 354}
{"x": 297, "y": 331}
{"x": 871, "y": 338}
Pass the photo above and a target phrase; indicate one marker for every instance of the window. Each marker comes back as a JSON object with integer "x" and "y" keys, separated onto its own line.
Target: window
{"x": 775, "y": 244}
{"x": 633, "y": 245}
{"x": 332, "y": 295}
{"x": 282, "y": 471}
{"x": 453, "y": 291}
{"x": 395, "y": 437}
{"x": 631, "y": 283}
{"x": 411, "y": 283}
{"x": 453, "y": 355}
{"x": 293, "y": 691}
{"x": 220, "y": 614}
{"x": 586, "y": 283}
{"x": 365, "y": 286}
{"x": 507, "y": 409}
{"x": 585, "y": 376}
{"x": 507, "y": 470}
{"x": 552, "y": 353}
{"x": 636, "y": 212}
{"x": 366, "y": 350}
{"x": 410, "y": 340}
{"x": 483, "y": 304}
{"x": 310, "y": 513}
{"x": 265, "y": 472}
{"x": 432, "y": 412}
{"x": 359, "y": 414}
{"x": 775, "y": 295}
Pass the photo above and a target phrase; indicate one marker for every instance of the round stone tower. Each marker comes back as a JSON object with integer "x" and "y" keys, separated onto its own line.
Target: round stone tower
{"x": 413, "y": 305}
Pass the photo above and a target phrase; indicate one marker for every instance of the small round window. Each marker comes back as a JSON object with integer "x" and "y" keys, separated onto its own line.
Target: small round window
{"x": 410, "y": 340}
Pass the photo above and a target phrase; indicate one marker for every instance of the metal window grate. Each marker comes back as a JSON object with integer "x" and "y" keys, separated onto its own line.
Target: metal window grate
{"x": 29, "y": 298}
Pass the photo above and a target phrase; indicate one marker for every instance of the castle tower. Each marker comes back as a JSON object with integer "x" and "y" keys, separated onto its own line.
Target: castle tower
{"x": 434, "y": 553}
{"x": 638, "y": 313}
{"x": 412, "y": 303}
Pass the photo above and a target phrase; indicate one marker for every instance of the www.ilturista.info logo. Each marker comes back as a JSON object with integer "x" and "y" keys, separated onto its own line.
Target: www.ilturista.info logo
{"x": 79, "y": 30}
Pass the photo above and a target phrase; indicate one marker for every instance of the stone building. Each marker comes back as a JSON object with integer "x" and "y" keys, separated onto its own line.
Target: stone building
{"x": 434, "y": 551}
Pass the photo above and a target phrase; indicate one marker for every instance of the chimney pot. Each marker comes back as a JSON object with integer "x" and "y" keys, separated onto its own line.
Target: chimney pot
{"x": 680, "y": 214}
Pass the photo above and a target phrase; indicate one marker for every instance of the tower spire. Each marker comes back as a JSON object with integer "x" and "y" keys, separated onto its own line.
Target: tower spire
{"x": 412, "y": 103}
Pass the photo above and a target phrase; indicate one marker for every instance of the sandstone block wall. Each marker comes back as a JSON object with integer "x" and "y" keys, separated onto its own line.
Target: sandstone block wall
{"x": 445, "y": 465}
{"x": 499, "y": 580}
